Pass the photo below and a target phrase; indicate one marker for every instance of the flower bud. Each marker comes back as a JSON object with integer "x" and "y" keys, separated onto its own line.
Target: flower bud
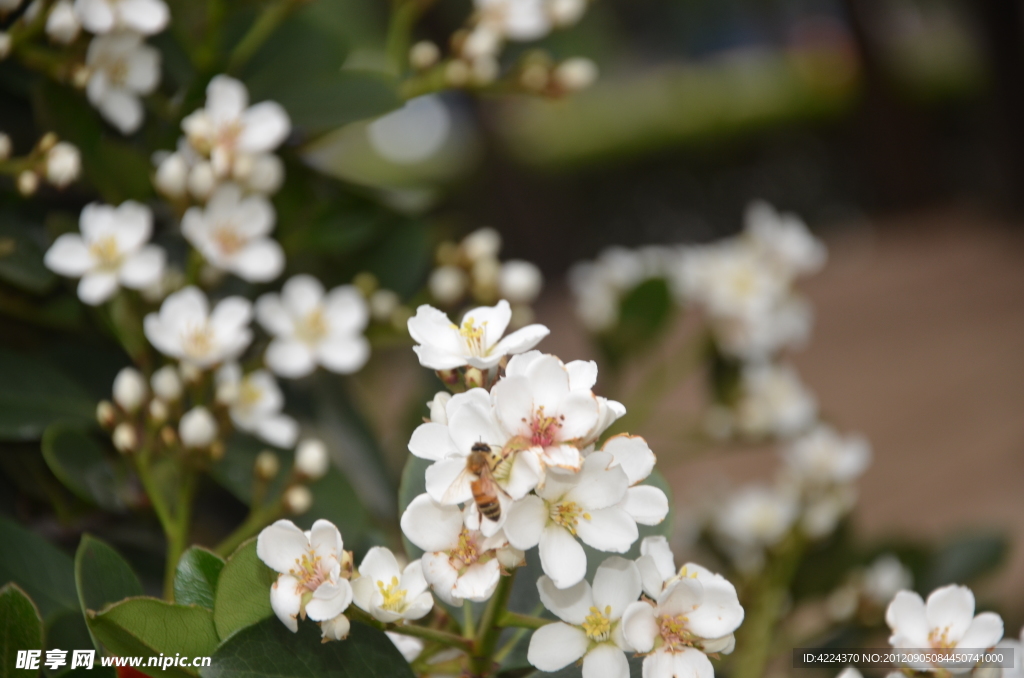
{"x": 5, "y": 44}
{"x": 5, "y": 146}
{"x": 447, "y": 284}
{"x": 62, "y": 24}
{"x": 201, "y": 181}
{"x": 63, "y": 164}
{"x": 311, "y": 459}
{"x": 382, "y": 304}
{"x": 197, "y": 428}
{"x": 106, "y": 415}
{"x": 438, "y": 413}
{"x": 474, "y": 378}
{"x": 483, "y": 41}
{"x": 28, "y": 183}
{"x": 575, "y": 74}
{"x": 298, "y": 499}
{"x": 126, "y": 440}
{"x": 158, "y": 411}
{"x": 534, "y": 77}
{"x": 267, "y": 465}
{"x": 166, "y": 384}
{"x": 266, "y": 174}
{"x": 423, "y": 55}
{"x": 190, "y": 374}
{"x": 130, "y": 389}
{"x": 227, "y": 392}
{"x": 483, "y": 243}
{"x": 47, "y": 141}
{"x": 168, "y": 436}
{"x": 172, "y": 176}
{"x": 566, "y": 12}
{"x": 335, "y": 629}
{"x": 457, "y": 73}
{"x": 520, "y": 281}
{"x": 510, "y": 557}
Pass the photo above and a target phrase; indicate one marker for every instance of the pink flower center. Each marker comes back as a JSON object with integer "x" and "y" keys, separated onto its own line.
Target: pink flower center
{"x": 310, "y": 571}
{"x": 544, "y": 429}
{"x": 674, "y": 633}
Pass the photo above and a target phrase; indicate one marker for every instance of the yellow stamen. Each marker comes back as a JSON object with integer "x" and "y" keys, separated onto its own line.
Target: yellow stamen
{"x": 313, "y": 327}
{"x": 474, "y": 336}
{"x": 394, "y": 597}
{"x": 568, "y": 515}
{"x": 106, "y": 252}
{"x": 598, "y": 624}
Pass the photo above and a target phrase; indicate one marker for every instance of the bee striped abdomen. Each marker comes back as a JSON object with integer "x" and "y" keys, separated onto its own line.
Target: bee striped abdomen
{"x": 486, "y": 500}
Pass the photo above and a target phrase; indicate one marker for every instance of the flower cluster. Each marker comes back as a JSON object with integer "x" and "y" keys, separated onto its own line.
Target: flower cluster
{"x": 57, "y": 162}
{"x": 869, "y": 589}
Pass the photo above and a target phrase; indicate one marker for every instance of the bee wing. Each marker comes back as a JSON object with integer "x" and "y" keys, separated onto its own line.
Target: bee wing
{"x": 490, "y": 527}
{"x": 459, "y": 485}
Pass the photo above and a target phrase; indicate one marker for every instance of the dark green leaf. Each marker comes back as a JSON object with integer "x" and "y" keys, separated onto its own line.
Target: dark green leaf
{"x": 67, "y": 631}
{"x": 45, "y": 572}
{"x": 644, "y": 312}
{"x": 414, "y": 483}
{"x": 243, "y": 591}
{"x": 965, "y": 558}
{"x": 335, "y": 500}
{"x": 269, "y": 650}
{"x": 20, "y": 629}
{"x": 79, "y": 461}
{"x": 195, "y": 582}
{"x": 146, "y": 627}
{"x": 34, "y": 395}
{"x": 102, "y": 575}
{"x": 21, "y": 258}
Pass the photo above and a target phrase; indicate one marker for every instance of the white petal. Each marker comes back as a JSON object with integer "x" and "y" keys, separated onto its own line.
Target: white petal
{"x": 616, "y": 584}
{"x": 950, "y": 608}
{"x": 645, "y": 504}
{"x": 720, "y": 612}
{"x": 431, "y": 441}
{"x": 325, "y": 540}
{"x": 689, "y": 663}
{"x": 561, "y": 556}
{"x": 329, "y": 600}
{"x": 599, "y": 485}
{"x": 609, "y": 529}
{"x": 379, "y": 564}
{"x": 260, "y": 261}
{"x": 661, "y": 553}
{"x": 681, "y": 597}
{"x": 412, "y": 580}
{"x": 145, "y": 16}
{"x": 272, "y": 314}
{"x": 985, "y": 631}
{"x": 302, "y": 294}
{"x": 525, "y": 522}
{"x": 69, "y": 256}
{"x": 473, "y": 423}
{"x": 582, "y": 374}
{"x": 526, "y": 472}
{"x": 447, "y": 483}
{"x": 264, "y": 127}
{"x": 409, "y": 646}
{"x": 430, "y": 526}
{"x": 95, "y": 288}
{"x": 580, "y": 410}
{"x": 342, "y": 354}
{"x": 143, "y": 70}
{"x": 286, "y": 601}
{"x": 513, "y": 402}
{"x": 96, "y": 15}
{"x": 278, "y": 545}
{"x": 605, "y": 661}
{"x": 289, "y": 358}
{"x": 122, "y": 109}
{"x": 226, "y": 99}
{"x": 633, "y": 454}
{"x": 230, "y": 315}
{"x": 556, "y": 645}
{"x": 571, "y": 605}
{"x": 345, "y": 310}
{"x": 143, "y": 269}
{"x": 640, "y": 626}
{"x": 433, "y": 328}
{"x": 479, "y": 581}
{"x": 419, "y": 606}
{"x": 433, "y": 358}
{"x": 441, "y": 576}
{"x": 280, "y": 430}
{"x": 549, "y": 384}
{"x": 521, "y": 340}
{"x": 906, "y": 617}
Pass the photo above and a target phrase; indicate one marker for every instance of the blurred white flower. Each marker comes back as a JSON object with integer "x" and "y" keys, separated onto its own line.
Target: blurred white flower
{"x": 167, "y": 384}
{"x": 298, "y": 499}
{"x": 388, "y": 592}
{"x": 172, "y": 175}
{"x": 413, "y": 133}
{"x": 311, "y": 582}
{"x": 141, "y": 16}
{"x": 483, "y": 243}
{"x": 62, "y": 23}
{"x": 784, "y": 240}
{"x": 311, "y": 459}
{"x": 111, "y": 250}
{"x": 573, "y": 75}
{"x": 822, "y": 457}
{"x": 945, "y": 622}
{"x": 254, "y": 403}
{"x": 233, "y": 234}
{"x": 63, "y": 164}
{"x": 849, "y": 672}
{"x": 591, "y": 626}
{"x": 186, "y": 329}
{"x": 197, "y": 428}
{"x": 730, "y": 280}
{"x": 130, "y": 389}
{"x": 476, "y": 342}
{"x": 520, "y": 281}
{"x": 584, "y": 505}
{"x": 773, "y": 401}
{"x": 753, "y": 518}
{"x": 410, "y": 646}
{"x": 514, "y": 19}
{"x": 447, "y": 284}
{"x": 311, "y": 327}
{"x": 228, "y": 130}
{"x": 121, "y": 69}
{"x": 885, "y": 577}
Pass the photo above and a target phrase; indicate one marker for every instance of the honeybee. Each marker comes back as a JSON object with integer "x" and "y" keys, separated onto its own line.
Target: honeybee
{"x": 480, "y": 463}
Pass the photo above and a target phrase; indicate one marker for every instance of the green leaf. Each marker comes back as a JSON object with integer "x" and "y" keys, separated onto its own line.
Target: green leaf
{"x": 79, "y": 461}
{"x": 269, "y": 650}
{"x": 68, "y": 632}
{"x": 965, "y": 558}
{"x": 414, "y": 483}
{"x": 102, "y": 575}
{"x": 42, "y": 570}
{"x": 147, "y": 627}
{"x": 644, "y": 312}
{"x": 243, "y": 591}
{"x": 33, "y": 395}
{"x": 195, "y": 581}
{"x": 21, "y": 628}
{"x": 21, "y": 258}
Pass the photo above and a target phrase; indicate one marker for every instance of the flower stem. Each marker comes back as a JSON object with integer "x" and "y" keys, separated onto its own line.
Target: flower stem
{"x": 488, "y": 631}
{"x": 467, "y": 620}
{"x": 262, "y": 28}
{"x": 257, "y": 519}
{"x": 177, "y": 538}
{"x": 433, "y": 635}
{"x": 521, "y": 621}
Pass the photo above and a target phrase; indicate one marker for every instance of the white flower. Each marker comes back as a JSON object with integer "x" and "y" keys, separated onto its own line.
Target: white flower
{"x": 232, "y": 233}
{"x": 590, "y": 628}
{"x": 476, "y": 342}
{"x": 186, "y": 329}
{"x": 130, "y": 389}
{"x": 757, "y": 337}
{"x": 646, "y": 504}
{"x": 886, "y": 577}
{"x": 784, "y": 240}
{"x": 410, "y": 646}
{"x": 822, "y": 457}
{"x": 62, "y": 24}
{"x": 311, "y": 580}
{"x": 172, "y": 175}
{"x": 773, "y": 401}
{"x": 166, "y": 384}
{"x": 520, "y": 281}
{"x": 228, "y": 130}
{"x": 311, "y": 459}
{"x": 483, "y": 243}
{"x": 110, "y": 251}
{"x": 447, "y": 284}
{"x": 336, "y": 628}
{"x": 63, "y": 164}
{"x": 515, "y": 19}
{"x": 945, "y": 622}
{"x": 694, "y": 614}
{"x": 197, "y": 428}
{"x": 388, "y": 592}
{"x": 438, "y": 407}
{"x": 121, "y": 69}
{"x": 254, "y": 403}
{"x": 312, "y": 328}
{"x": 141, "y": 16}
{"x": 753, "y": 518}
{"x": 731, "y": 280}
{"x": 583, "y": 505}
{"x": 575, "y": 74}
{"x": 459, "y": 563}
